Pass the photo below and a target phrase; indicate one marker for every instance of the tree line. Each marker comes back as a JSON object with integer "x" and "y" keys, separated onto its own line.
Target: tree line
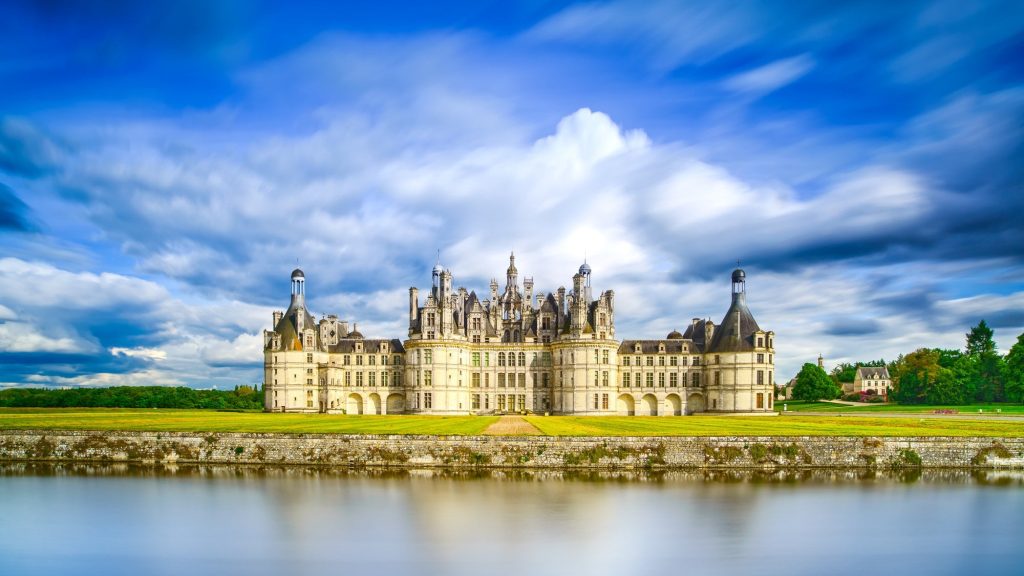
{"x": 978, "y": 373}
{"x": 241, "y": 398}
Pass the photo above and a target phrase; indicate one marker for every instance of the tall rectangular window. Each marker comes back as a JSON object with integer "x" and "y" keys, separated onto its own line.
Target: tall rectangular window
{"x": 625, "y": 379}
{"x": 522, "y": 380}
{"x": 476, "y": 359}
{"x": 604, "y": 357}
{"x": 428, "y": 400}
{"x": 428, "y": 377}
{"x": 475, "y": 381}
{"x": 760, "y": 377}
{"x": 476, "y": 402}
{"x": 501, "y": 380}
{"x": 595, "y": 401}
{"x": 650, "y": 379}
{"x": 661, "y": 380}
{"x": 604, "y": 401}
{"x": 309, "y": 358}
{"x": 673, "y": 380}
{"x": 373, "y": 378}
{"x": 428, "y": 356}
{"x": 760, "y": 400}
{"x": 604, "y": 378}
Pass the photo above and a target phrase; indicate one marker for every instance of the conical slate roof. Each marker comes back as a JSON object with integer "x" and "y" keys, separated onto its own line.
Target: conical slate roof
{"x": 287, "y": 327}
{"x": 736, "y": 332}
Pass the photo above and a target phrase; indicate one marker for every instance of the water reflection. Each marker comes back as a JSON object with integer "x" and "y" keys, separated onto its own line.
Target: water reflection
{"x": 125, "y": 519}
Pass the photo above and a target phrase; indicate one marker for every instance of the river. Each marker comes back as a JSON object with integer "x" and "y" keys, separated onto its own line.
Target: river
{"x": 113, "y": 520}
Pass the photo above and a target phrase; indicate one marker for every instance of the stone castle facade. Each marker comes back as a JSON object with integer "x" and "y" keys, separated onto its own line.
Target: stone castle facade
{"x": 516, "y": 351}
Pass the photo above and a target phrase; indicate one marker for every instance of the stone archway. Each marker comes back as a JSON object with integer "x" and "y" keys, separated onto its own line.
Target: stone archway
{"x": 395, "y": 404}
{"x": 354, "y": 404}
{"x": 374, "y": 405}
{"x": 648, "y": 405}
{"x": 625, "y": 405}
{"x": 673, "y": 405}
{"x": 694, "y": 403}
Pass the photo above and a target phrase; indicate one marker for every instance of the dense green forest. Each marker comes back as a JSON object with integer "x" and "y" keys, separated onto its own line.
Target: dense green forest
{"x": 978, "y": 373}
{"x": 241, "y": 398}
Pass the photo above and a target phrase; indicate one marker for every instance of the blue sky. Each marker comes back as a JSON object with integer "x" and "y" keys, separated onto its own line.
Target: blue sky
{"x": 164, "y": 166}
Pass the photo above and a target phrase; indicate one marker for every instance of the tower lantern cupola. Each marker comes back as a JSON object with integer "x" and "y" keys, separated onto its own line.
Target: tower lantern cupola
{"x": 739, "y": 283}
{"x": 298, "y": 288}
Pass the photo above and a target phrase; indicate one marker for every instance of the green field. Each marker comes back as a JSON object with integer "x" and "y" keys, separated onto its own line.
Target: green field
{"x": 161, "y": 420}
{"x": 805, "y": 406}
{"x": 213, "y": 421}
{"x": 769, "y": 426}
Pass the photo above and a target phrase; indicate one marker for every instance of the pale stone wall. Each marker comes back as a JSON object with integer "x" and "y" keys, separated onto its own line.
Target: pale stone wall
{"x": 513, "y": 452}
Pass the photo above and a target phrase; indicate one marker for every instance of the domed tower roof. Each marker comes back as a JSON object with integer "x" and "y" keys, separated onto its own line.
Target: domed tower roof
{"x": 438, "y": 268}
{"x": 738, "y": 275}
{"x": 355, "y": 333}
{"x": 297, "y": 273}
{"x": 512, "y": 265}
{"x": 585, "y": 269}
{"x": 674, "y": 335}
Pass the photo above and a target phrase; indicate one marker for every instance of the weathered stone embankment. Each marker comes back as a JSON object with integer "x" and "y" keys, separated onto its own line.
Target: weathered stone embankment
{"x": 526, "y": 452}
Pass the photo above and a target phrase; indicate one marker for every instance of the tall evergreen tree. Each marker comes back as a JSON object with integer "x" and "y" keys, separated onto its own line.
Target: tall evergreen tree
{"x": 987, "y": 372}
{"x": 1014, "y": 372}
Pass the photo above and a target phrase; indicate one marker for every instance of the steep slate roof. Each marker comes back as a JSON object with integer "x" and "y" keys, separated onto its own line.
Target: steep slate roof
{"x": 695, "y": 332}
{"x": 288, "y": 328}
{"x": 873, "y": 372}
{"x": 348, "y": 345}
{"x": 652, "y": 346}
{"x": 736, "y": 332}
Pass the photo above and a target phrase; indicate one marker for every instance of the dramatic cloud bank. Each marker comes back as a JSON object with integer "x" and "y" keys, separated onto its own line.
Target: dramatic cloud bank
{"x": 150, "y": 221}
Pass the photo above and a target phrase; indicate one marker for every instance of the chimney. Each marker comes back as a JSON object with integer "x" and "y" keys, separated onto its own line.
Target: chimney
{"x": 277, "y": 318}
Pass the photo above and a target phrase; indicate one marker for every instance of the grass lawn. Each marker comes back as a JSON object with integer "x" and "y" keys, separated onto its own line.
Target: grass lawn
{"x": 805, "y": 406}
{"x": 213, "y": 421}
{"x": 769, "y": 426}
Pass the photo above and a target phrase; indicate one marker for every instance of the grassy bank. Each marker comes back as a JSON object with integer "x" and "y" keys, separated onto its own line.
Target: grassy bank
{"x": 154, "y": 420}
{"x": 211, "y": 421}
{"x": 805, "y": 406}
{"x": 762, "y": 426}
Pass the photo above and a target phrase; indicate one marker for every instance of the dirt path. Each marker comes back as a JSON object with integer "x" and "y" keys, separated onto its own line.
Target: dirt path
{"x": 512, "y": 426}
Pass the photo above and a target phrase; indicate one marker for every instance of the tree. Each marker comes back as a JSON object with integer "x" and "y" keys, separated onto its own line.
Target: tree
{"x": 979, "y": 340}
{"x": 1014, "y": 372}
{"x": 812, "y": 383}
{"x": 987, "y": 372}
{"x": 913, "y": 374}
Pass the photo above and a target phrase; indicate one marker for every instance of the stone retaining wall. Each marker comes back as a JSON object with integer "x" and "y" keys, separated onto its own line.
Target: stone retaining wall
{"x": 531, "y": 452}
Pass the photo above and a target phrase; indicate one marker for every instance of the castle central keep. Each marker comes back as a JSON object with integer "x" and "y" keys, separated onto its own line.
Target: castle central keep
{"x": 516, "y": 351}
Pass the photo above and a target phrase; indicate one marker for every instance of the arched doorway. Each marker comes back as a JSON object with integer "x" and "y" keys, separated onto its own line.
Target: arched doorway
{"x": 625, "y": 406}
{"x": 395, "y": 404}
{"x": 673, "y": 405}
{"x": 355, "y": 404}
{"x": 694, "y": 403}
{"x": 649, "y": 405}
{"x": 374, "y": 407}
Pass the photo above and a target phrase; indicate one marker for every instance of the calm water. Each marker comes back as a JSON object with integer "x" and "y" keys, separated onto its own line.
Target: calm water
{"x": 110, "y": 521}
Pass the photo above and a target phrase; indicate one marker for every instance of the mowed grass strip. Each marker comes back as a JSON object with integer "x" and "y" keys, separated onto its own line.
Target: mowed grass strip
{"x": 769, "y": 426}
{"x": 213, "y": 421}
{"x": 805, "y": 406}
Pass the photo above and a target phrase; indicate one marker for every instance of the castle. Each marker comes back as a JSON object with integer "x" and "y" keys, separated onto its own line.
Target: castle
{"x": 516, "y": 351}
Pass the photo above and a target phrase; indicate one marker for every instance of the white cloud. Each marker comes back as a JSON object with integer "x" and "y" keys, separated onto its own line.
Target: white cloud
{"x": 771, "y": 76}
{"x": 140, "y": 352}
{"x": 22, "y": 337}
